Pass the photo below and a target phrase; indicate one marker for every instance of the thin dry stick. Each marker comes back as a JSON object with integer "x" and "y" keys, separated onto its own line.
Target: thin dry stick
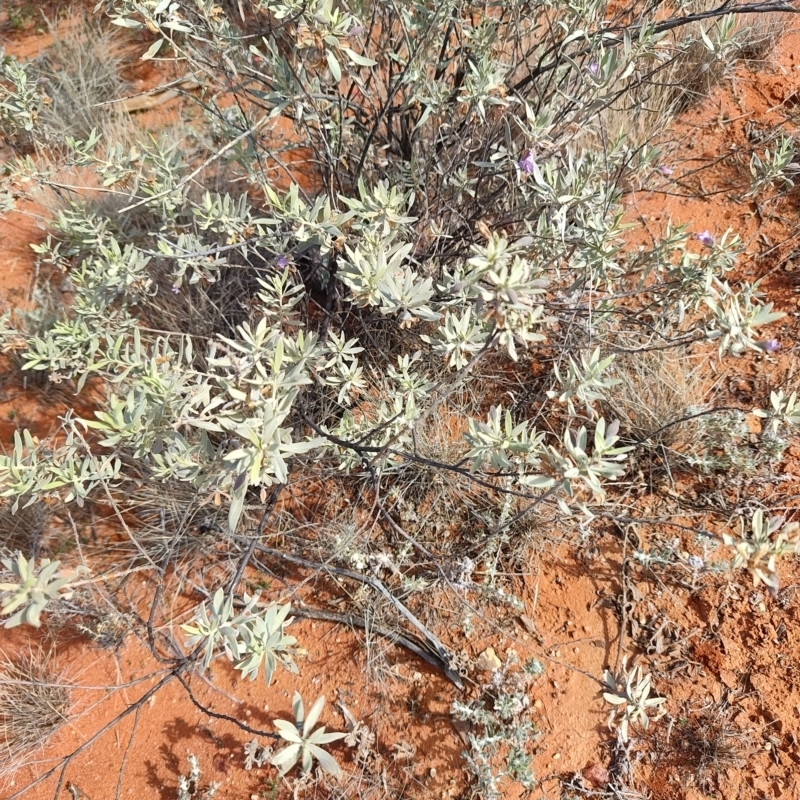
{"x": 248, "y": 554}
{"x": 623, "y": 617}
{"x": 126, "y": 753}
{"x": 434, "y": 646}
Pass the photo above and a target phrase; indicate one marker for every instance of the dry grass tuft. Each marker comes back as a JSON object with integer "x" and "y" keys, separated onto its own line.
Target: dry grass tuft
{"x": 24, "y": 531}
{"x": 702, "y": 744}
{"x": 173, "y": 523}
{"x": 761, "y": 32}
{"x": 81, "y": 74}
{"x": 646, "y": 105}
{"x": 657, "y": 389}
{"x": 34, "y": 703}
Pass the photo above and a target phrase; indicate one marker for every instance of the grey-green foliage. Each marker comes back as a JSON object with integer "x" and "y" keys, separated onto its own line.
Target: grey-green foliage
{"x": 776, "y": 166}
{"x": 721, "y": 444}
{"x": 723, "y": 441}
{"x": 105, "y": 287}
{"x": 20, "y": 100}
{"x": 248, "y": 638}
{"x": 466, "y": 213}
{"x": 500, "y": 443}
{"x": 305, "y": 743}
{"x": 784, "y": 413}
{"x": 190, "y": 786}
{"x": 780, "y": 420}
{"x": 629, "y": 696}
{"x": 31, "y": 589}
{"x": 472, "y": 223}
{"x": 758, "y": 548}
{"x": 499, "y": 741}
{"x": 585, "y": 382}
{"x": 35, "y": 470}
{"x": 592, "y": 464}
{"x": 501, "y": 733}
{"x": 392, "y": 236}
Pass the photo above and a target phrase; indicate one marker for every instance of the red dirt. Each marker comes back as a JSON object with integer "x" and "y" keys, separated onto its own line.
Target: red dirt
{"x": 169, "y": 727}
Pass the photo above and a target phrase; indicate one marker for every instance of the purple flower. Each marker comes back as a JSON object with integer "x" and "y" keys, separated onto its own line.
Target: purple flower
{"x": 594, "y": 69}
{"x": 176, "y": 289}
{"x": 356, "y": 30}
{"x": 283, "y": 261}
{"x": 695, "y": 562}
{"x": 769, "y": 345}
{"x": 665, "y": 170}
{"x": 705, "y": 238}
{"x": 528, "y": 163}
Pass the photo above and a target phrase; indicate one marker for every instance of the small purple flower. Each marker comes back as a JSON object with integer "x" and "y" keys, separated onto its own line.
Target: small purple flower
{"x": 176, "y": 290}
{"x": 705, "y": 238}
{"x": 283, "y": 261}
{"x": 528, "y": 163}
{"x": 695, "y": 562}
{"x": 769, "y": 345}
{"x": 665, "y": 170}
{"x": 594, "y": 69}
{"x": 356, "y": 30}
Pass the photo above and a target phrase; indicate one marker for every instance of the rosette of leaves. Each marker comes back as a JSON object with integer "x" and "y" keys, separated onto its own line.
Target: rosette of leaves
{"x": 31, "y": 591}
{"x": 784, "y": 414}
{"x": 212, "y": 626}
{"x": 584, "y": 383}
{"x": 247, "y": 639}
{"x": 581, "y": 462}
{"x": 262, "y": 639}
{"x": 305, "y": 744}
{"x": 631, "y": 699}
{"x": 759, "y": 549}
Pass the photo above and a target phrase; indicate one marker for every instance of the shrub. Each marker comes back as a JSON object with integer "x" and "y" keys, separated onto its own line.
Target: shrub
{"x": 545, "y": 210}
{"x": 406, "y": 204}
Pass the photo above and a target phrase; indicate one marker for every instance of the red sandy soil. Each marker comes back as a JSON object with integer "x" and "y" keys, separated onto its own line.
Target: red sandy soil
{"x": 707, "y": 642}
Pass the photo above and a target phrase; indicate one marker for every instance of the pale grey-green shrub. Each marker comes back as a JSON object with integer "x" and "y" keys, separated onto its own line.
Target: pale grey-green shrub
{"x": 248, "y": 638}
{"x": 464, "y": 226}
{"x": 758, "y": 548}
{"x": 630, "y": 697}
{"x": 776, "y": 166}
{"x": 190, "y": 786}
{"x": 30, "y": 589}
